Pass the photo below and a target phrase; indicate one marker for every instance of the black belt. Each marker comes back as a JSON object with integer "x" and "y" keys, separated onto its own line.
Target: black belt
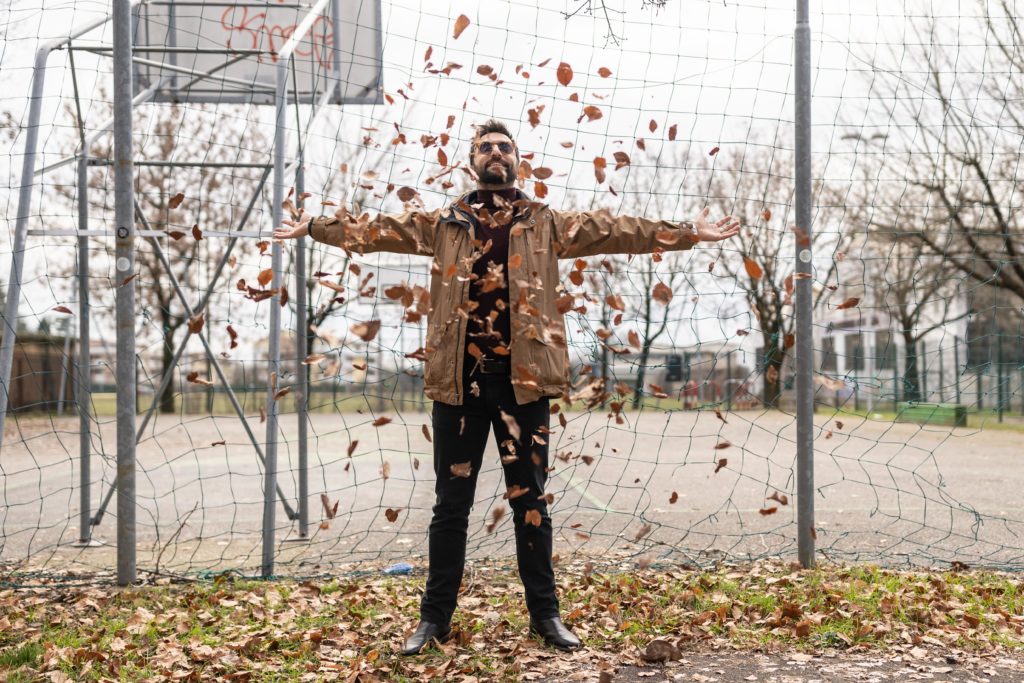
{"x": 492, "y": 366}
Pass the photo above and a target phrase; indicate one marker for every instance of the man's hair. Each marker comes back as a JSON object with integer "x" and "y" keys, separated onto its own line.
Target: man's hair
{"x": 490, "y": 126}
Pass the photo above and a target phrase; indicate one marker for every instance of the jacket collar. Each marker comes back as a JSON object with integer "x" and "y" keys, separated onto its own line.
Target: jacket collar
{"x": 460, "y": 213}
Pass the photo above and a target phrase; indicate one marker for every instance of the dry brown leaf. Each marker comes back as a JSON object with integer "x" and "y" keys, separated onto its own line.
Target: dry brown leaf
{"x": 366, "y": 331}
{"x": 849, "y": 303}
{"x": 753, "y": 270}
{"x": 662, "y": 293}
{"x": 329, "y": 510}
{"x": 461, "y": 24}
{"x": 462, "y": 469}
{"x": 564, "y": 73}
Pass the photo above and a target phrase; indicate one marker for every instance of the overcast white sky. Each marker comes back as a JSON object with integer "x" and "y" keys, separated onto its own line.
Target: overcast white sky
{"x": 718, "y": 70}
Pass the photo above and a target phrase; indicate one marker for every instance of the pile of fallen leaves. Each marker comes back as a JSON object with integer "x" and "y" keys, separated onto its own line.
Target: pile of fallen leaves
{"x": 350, "y": 628}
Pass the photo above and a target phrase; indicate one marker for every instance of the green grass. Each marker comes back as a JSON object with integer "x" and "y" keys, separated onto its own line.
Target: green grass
{"x": 16, "y": 657}
{"x": 284, "y": 630}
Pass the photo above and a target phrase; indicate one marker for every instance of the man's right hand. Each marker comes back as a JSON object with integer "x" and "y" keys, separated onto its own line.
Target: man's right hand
{"x": 295, "y": 229}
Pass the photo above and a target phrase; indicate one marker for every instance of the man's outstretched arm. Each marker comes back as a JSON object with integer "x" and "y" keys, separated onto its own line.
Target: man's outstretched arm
{"x": 411, "y": 232}
{"x": 589, "y": 233}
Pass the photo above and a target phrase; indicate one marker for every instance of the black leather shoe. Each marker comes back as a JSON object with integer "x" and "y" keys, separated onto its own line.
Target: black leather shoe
{"x": 555, "y": 633}
{"x": 424, "y": 633}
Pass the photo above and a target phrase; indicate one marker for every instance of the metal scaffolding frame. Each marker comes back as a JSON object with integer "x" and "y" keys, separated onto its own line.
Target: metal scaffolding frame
{"x": 284, "y": 168}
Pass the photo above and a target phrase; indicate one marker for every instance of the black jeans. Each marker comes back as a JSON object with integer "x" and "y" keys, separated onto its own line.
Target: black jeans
{"x": 455, "y": 442}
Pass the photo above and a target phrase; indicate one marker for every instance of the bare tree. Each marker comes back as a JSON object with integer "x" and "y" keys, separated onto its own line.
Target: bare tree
{"x": 755, "y": 185}
{"x": 181, "y": 202}
{"x": 962, "y": 149}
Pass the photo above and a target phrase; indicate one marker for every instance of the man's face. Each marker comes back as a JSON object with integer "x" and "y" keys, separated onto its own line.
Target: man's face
{"x": 494, "y": 159}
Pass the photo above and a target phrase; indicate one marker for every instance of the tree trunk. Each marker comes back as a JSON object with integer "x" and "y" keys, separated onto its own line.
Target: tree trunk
{"x": 911, "y": 373}
{"x": 774, "y": 355}
{"x": 167, "y": 399}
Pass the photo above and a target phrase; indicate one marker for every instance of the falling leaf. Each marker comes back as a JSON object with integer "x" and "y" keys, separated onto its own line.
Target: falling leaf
{"x": 673, "y": 498}
{"x": 407, "y": 193}
{"x": 194, "y": 378}
{"x": 461, "y": 24}
{"x": 542, "y": 173}
{"x": 366, "y": 331}
{"x": 643, "y": 531}
{"x": 766, "y": 214}
{"x": 381, "y": 421}
{"x": 753, "y": 270}
{"x": 615, "y": 301}
{"x": 196, "y": 322}
{"x": 329, "y": 510}
{"x": 662, "y": 293}
{"x": 392, "y": 515}
{"x": 496, "y": 515}
{"x": 599, "y": 165}
{"x": 780, "y": 498}
{"x": 672, "y": 132}
{"x": 718, "y": 414}
{"x": 175, "y": 201}
{"x": 592, "y": 112}
{"x": 385, "y": 470}
{"x": 839, "y": 424}
{"x": 62, "y": 309}
{"x": 723, "y": 444}
{"x": 462, "y": 469}
{"x": 604, "y": 72}
{"x": 849, "y": 303}
{"x": 533, "y": 517}
{"x": 564, "y": 73}
{"x": 634, "y": 339}
{"x": 722, "y": 462}
{"x": 768, "y": 511}
{"x": 352, "y": 447}
{"x": 513, "y": 426}
{"x": 265, "y": 277}
{"x": 426, "y": 434}
{"x": 197, "y": 234}
{"x": 653, "y": 125}
{"x": 621, "y": 159}
{"x": 713, "y": 152}
{"x": 484, "y": 70}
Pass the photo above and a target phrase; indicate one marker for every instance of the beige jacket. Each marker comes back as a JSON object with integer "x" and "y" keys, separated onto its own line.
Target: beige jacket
{"x": 539, "y": 237}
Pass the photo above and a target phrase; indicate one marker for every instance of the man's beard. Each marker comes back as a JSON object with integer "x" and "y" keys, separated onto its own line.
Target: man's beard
{"x": 492, "y": 176}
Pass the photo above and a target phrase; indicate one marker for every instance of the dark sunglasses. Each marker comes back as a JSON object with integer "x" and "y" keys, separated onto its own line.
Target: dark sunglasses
{"x": 503, "y": 147}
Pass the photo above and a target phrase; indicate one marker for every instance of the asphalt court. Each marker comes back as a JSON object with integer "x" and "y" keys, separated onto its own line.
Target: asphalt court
{"x": 888, "y": 492}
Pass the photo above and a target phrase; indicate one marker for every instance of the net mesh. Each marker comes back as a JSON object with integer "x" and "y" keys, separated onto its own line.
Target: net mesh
{"x": 653, "y": 109}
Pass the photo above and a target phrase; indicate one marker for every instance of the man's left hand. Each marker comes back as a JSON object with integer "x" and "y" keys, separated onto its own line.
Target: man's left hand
{"x": 717, "y": 231}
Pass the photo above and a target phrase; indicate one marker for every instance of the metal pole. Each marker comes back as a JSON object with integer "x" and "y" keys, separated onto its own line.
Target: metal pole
{"x": 124, "y": 216}
{"x": 302, "y": 371}
{"x": 83, "y": 394}
{"x": 274, "y": 354}
{"x": 10, "y": 314}
{"x": 804, "y": 346}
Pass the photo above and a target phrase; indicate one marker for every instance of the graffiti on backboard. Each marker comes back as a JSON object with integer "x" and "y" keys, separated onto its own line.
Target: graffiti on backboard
{"x": 251, "y": 29}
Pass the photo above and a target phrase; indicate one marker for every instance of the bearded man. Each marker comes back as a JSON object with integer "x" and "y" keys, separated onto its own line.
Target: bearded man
{"x": 496, "y": 352}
